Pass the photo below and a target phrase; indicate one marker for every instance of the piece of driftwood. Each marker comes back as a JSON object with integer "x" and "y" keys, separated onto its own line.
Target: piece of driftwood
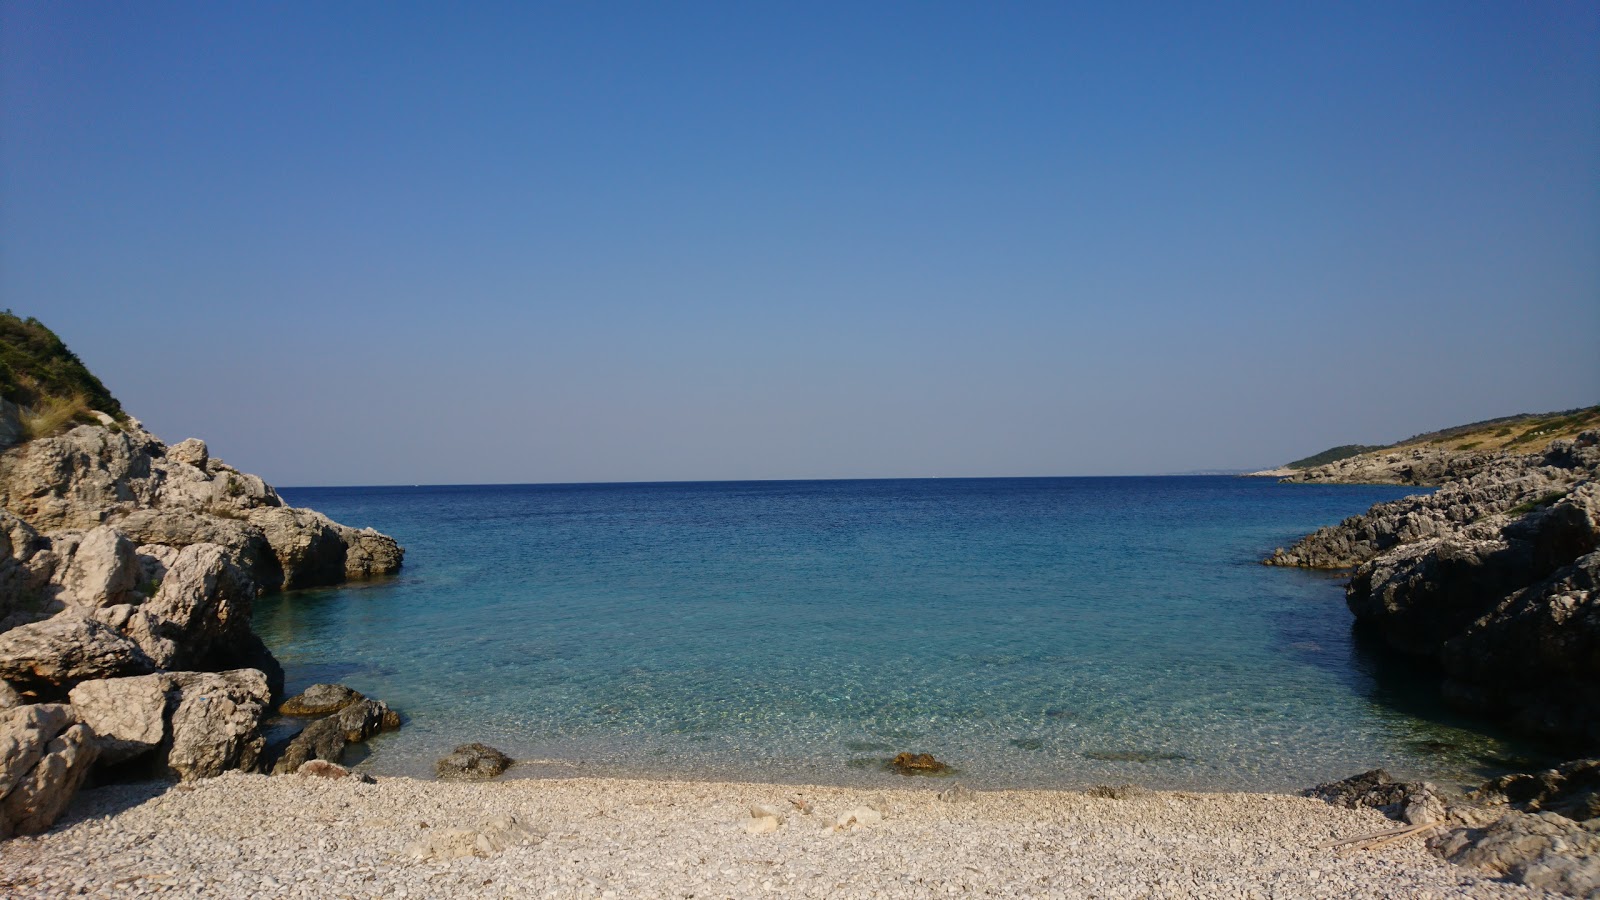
{"x": 1379, "y": 839}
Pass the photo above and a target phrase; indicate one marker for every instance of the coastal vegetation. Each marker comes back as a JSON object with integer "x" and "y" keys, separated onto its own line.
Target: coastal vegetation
{"x": 1520, "y": 433}
{"x": 49, "y": 384}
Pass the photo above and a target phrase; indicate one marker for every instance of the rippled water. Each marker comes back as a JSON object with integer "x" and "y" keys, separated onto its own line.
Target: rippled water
{"x": 1031, "y": 632}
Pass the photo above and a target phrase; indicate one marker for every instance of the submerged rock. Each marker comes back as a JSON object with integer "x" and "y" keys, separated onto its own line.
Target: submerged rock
{"x": 472, "y": 761}
{"x": 918, "y": 764}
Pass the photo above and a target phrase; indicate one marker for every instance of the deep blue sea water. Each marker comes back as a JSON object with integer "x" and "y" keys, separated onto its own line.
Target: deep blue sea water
{"x": 1051, "y": 632}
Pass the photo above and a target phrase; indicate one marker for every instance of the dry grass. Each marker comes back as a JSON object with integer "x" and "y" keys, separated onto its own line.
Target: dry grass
{"x": 52, "y": 415}
{"x": 1531, "y": 434}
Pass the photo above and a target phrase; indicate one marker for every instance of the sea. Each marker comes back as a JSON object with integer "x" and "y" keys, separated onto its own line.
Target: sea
{"x": 1028, "y": 632}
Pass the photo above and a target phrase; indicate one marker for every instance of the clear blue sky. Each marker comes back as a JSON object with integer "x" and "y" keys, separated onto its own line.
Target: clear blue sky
{"x": 398, "y": 243}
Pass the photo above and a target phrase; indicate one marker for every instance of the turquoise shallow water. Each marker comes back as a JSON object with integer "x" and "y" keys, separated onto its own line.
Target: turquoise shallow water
{"x": 1031, "y": 632}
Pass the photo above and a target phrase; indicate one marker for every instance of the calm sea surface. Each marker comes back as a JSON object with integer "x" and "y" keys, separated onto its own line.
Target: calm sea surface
{"x": 1053, "y": 632}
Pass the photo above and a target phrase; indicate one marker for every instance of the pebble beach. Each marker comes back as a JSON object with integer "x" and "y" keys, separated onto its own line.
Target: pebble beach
{"x": 242, "y": 835}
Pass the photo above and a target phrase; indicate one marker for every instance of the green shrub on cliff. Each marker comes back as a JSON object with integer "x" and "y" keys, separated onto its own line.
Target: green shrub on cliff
{"x": 45, "y": 379}
{"x": 1333, "y": 454}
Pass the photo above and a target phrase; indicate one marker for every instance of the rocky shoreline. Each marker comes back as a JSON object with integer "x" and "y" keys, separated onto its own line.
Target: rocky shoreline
{"x": 1491, "y": 579}
{"x": 128, "y": 570}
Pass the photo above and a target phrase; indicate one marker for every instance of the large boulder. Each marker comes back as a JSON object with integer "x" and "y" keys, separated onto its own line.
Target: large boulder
{"x": 204, "y": 605}
{"x": 216, "y": 724}
{"x": 96, "y": 569}
{"x": 1543, "y": 850}
{"x": 47, "y": 658}
{"x": 190, "y": 724}
{"x": 45, "y": 754}
{"x": 474, "y": 761}
{"x": 308, "y": 545}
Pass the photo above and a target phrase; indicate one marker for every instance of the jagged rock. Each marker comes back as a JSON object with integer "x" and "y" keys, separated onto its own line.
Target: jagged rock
{"x": 128, "y": 715}
{"x": 44, "y": 756}
{"x": 472, "y": 761}
{"x": 365, "y": 718}
{"x": 1497, "y": 486}
{"x": 1535, "y": 657}
{"x": 196, "y": 724}
{"x": 918, "y": 764}
{"x": 177, "y": 528}
{"x": 326, "y": 738}
{"x": 485, "y": 839}
{"x": 323, "y": 739}
{"x": 9, "y": 696}
{"x": 191, "y": 452}
{"x": 1419, "y": 595}
{"x": 1543, "y": 850}
{"x": 216, "y": 722}
{"x": 26, "y": 565}
{"x": 308, "y": 545}
{"x": 79, "y": 479}
{"x": 1572, "y": 789}
{"x": 1416, "y": 803}
{"x": 320, "y": 700}
{"x": 369, "y": 553}
{"x": 99, "y": 568}
{"x": 47, "y": 658}
{"x": 203, "y": 606}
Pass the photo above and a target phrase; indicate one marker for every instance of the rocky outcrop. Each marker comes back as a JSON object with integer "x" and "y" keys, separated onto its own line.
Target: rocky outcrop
{"x": 183, "y": 724}
{"x": 45, "y": 754}
{"x": 1493, "y": 578}
{"x": 1541, "y": 830}
{"x": 1498, "y": 487}
{"x": 122, "y": 475}
{"x": 326, "y": 738}
{"x": 128, "y": 572}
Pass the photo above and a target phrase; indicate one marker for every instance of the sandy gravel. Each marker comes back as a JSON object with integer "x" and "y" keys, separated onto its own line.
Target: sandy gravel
{"x": 254, "y": 836}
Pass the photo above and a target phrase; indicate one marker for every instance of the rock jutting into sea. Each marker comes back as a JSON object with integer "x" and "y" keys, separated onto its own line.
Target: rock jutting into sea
{"x": 1492, "y": 577}
{"x": 128, "y": 569}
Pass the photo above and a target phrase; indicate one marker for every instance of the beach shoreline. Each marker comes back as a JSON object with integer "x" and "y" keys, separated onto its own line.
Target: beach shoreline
{"x": 242, "y": 835}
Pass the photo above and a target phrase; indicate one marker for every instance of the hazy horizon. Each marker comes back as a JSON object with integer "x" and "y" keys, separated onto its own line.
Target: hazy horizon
{"x": 539, "y": 244}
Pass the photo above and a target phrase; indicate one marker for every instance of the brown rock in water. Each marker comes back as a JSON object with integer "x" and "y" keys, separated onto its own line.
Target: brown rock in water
{"x": 918, "y": 764}
{"x": 320, "y": 700}
{"x": 472, "y": 761}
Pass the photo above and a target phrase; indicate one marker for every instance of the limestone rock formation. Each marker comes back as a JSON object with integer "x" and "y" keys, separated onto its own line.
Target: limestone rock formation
{"x": 122, "y": 475}
{"x": 193, "y": 724}
{"x": 47, "y": 658}
{"x": 45, "y": 754}
{"x": 1492, "y": 577}
{"x": 1499, "y": 486}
